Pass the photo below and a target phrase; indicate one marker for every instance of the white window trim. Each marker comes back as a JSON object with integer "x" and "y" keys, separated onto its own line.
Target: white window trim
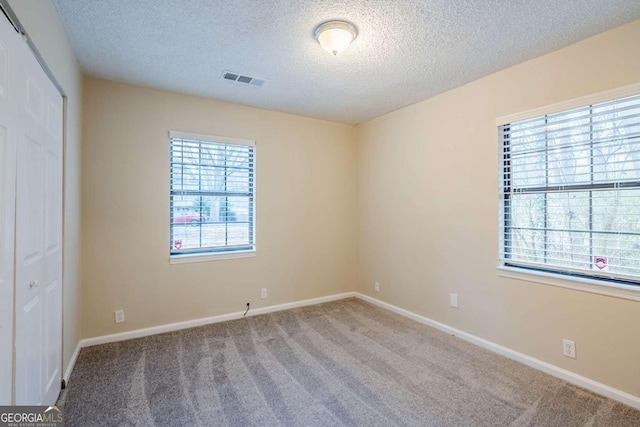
{"x": 205, "y": 257}
{"x": 216, "y": 256}
{"x": 595, "y": 98}
{"x": 595, "y": 286}
{"x": 210, "y": 138}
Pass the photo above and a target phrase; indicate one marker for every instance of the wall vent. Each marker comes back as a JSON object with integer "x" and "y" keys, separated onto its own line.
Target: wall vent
{"x": 237, "y": 77}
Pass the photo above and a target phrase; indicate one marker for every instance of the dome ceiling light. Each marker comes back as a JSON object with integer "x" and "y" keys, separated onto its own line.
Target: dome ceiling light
{"x": 335, "y": 36}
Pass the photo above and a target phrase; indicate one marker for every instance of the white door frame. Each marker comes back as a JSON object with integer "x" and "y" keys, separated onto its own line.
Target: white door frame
{"x": 9, "y": 40}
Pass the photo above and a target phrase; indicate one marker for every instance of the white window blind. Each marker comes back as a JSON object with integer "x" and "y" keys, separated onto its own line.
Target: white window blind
{"x": 570, "y": 192}
{"x": 211, "y": 195}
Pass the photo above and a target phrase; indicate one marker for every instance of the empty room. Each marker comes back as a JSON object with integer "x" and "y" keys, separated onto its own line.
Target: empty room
{"x": 319, "y": 213}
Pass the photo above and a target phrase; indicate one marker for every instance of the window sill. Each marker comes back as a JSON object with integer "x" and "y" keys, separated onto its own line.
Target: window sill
{"x": 593, "y": 286}
{"x": 185, "y": 259}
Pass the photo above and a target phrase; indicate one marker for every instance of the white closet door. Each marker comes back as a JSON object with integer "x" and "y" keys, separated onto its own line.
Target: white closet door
{"x": 38, "y": 265}
{"x": 9, "y": 40}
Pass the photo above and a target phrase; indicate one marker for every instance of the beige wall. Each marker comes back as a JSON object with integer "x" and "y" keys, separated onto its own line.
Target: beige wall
{"x": 428, "y": 206}
{"x": 305, "y": 209}
{"x": 40, "y": 19}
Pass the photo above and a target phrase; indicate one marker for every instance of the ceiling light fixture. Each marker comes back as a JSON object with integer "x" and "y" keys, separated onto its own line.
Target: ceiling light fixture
{"x": 335, "y": 36}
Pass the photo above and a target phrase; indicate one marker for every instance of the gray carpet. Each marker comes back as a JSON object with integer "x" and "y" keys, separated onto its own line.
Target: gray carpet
{"x": 341, "y": 363}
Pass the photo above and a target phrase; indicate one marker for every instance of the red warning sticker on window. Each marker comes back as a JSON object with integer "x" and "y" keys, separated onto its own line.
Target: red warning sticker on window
{"x": 600, "y": 262}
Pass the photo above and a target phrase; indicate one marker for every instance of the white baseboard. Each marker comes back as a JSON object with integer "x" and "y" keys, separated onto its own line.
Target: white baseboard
{"x": 568, "y": 376}
{"x": 72, "y": 363}
{"x": 154, "y": 330}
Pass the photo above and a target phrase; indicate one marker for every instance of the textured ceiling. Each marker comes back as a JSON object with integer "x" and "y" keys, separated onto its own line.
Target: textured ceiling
{"x": 406, "y": 51}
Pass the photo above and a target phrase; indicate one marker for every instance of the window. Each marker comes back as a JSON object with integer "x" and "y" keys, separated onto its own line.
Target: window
{"x": 212, "y": 195}
{"x": 570, "y": 193}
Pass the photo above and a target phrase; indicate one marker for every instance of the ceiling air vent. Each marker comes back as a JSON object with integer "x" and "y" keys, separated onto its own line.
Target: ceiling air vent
{"x": 236, "y": 77}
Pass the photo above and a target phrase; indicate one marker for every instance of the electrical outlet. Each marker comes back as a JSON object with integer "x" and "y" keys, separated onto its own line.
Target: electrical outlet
{"x": 569, "y": 348}
{"x": 377, "y": 286}
{"x": 119, "y": 316}
{"x": 263, "y": 294}
{"x": 453, "y": 300}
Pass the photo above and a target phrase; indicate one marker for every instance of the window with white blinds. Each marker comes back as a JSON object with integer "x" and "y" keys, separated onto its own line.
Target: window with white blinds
{"x": 211, "y": 195}
{"x": 570, "y": 193}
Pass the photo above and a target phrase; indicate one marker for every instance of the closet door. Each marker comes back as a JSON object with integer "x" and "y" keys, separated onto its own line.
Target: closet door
{"x": 38, "y": 265}
{"x": 9, "y": 40}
